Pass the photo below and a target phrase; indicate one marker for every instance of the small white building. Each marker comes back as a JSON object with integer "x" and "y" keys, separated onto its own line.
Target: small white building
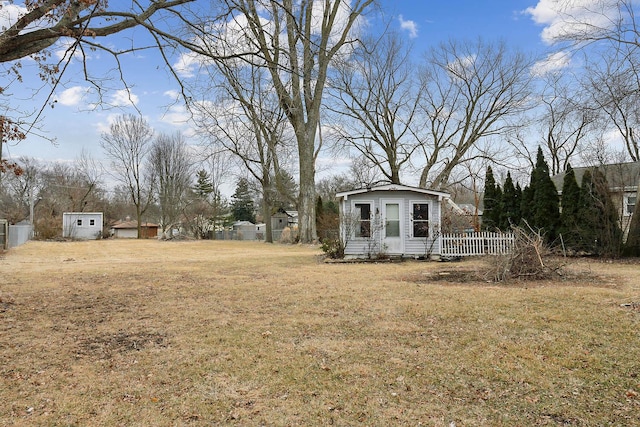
{"x": 82, "y": 225}
{"x": 391, "y": 219}
{"x": 244, "y": 230}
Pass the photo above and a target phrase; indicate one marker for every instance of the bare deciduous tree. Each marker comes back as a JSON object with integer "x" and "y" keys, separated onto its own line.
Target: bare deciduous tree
{"x": 565, "y": 122}
{"x": 249, "y": 121}
{"x": 615, "y": 80}
{"x": 614, "y": 86}
{"x": 42, "y": 23}
{"x": 127, "y": 145}
{"x": 171, "y": 163}
{"x": 473, "y": 91}
{"x": 377, "y": 101}
{"x": 296, "y": 42}
{"x": 581, "y": 23}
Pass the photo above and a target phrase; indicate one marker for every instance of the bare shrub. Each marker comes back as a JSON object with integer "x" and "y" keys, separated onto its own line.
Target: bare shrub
{"x": 530, "y": 259}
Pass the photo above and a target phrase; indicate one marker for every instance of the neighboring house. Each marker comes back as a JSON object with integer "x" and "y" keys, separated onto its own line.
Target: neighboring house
{"x": 82, "y": 225}
{"x": 460, "y": 218}
{"x": 129, "y": 230}
{"x": 391, "y": 219}
{"x": 622, "y": 178}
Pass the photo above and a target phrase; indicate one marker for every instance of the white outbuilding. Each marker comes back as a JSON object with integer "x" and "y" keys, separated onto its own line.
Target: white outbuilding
{"x": 82, "y": 225}
{"x": 391, "y": 219}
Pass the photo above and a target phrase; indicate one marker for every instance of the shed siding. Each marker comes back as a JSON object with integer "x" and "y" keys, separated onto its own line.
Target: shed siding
{"x": 71, "y": 229}
{"x": 413, "y": 247}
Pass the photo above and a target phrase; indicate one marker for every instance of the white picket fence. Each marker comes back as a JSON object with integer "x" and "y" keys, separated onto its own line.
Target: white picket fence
{"x": 474, "y": 244}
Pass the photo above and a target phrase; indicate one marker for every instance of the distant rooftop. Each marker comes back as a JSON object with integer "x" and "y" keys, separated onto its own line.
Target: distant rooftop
{"x": 620, "y": 176}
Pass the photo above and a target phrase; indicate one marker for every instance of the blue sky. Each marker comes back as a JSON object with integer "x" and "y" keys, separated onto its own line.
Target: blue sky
{"x": 76, "y": 126}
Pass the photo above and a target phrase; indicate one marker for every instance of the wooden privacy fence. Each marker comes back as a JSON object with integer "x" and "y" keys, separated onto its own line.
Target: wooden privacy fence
{"x": 474, "y": 244}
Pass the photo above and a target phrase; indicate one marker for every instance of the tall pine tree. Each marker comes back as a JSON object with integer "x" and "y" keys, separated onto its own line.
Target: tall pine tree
{"x": 492, "y": 199}
{"x": 242, "y": 206}
{"x": 587, "y": 215}
{"x": 609, "y": 233}
{"x": 545, "y": 202}
{"x": 203, "y": 185}
{"x": 569, "y": 216}
{"x": 510, "y": 212}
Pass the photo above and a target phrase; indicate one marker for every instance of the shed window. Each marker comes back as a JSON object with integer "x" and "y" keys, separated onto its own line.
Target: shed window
{"x": 420, "y": 219}
{"x": 363, "y": 220}
{"x": 631, "y": 205}
{"x": 392, "y": 222}
{"x": 79, "y": 222}
{"x": 92, "y": 222}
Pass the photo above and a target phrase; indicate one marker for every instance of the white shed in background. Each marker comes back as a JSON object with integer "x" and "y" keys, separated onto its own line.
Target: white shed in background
{"x": 82, "y": 225}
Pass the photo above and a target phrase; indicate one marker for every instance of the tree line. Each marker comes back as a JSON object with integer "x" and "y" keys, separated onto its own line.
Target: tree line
{"x": 278, "y": 82}
{"x": 583, "y": 220}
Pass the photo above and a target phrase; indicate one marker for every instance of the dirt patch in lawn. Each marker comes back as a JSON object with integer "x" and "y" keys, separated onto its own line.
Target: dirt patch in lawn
{"x": 106, "y": 345}
{"x": 479, "y": 273}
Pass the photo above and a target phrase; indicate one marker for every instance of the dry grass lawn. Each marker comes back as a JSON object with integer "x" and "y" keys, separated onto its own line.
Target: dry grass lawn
{"x": 151, "y": 333}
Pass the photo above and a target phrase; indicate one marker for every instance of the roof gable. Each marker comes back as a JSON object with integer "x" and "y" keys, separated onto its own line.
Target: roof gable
{"x": 392, "y": 188}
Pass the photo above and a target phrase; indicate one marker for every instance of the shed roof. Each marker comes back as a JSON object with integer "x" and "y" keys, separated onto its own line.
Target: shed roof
{"x": 239, "y": 223}
{"x": 393, "y": 187}
{"x": 133, "y": 224}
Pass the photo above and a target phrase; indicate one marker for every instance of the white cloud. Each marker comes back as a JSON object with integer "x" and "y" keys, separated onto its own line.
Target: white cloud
{"x": 552, "y": 63}
{"x": 173, "y": 94}
{"x": 462, "y": 67}
{"x": 177, "y": 115}
{"x": 187, "y": 63}
{"x": 123, "y": 98}
{"x": 63, "y": 51}
{"x": 9, "y": 14}
{"x": 72, "y": 96}
{"x": 569, "y": 18}
{"x": 105, "y": 125}
{"x": 410, "y": 26}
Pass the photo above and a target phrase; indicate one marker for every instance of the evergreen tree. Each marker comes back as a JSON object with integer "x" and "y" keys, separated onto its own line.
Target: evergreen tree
{"x": 586, "y": 221}
{"x": 510, "y": 212}
{"x": 491, "y": 200}
{"x": 609, "y": 233}
{"x": 242, "y": 206}
{"x": 319, "y": 211}
{"x": 569, "y": 215}
{"x": 545, "y": 203}
{"x": 203, "y": 186}
{"x": 632, "y": 245}
{"x": 286, "y": 194}
{"x": 526, "y": 204}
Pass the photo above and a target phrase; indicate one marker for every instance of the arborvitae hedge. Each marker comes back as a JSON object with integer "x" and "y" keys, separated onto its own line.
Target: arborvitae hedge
{"x": 545, "y": 202}
{"x": 492, "y": 201}
{"x": 510, "y": 213}
{"x": 570, "y": 210}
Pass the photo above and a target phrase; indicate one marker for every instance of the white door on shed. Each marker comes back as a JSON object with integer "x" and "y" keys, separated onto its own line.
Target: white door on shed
{"x": 392, "y": 239}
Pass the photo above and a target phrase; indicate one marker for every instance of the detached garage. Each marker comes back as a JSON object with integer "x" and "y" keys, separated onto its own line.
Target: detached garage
{"x": 82, "y": 225}
{"x": 129, "y": 230}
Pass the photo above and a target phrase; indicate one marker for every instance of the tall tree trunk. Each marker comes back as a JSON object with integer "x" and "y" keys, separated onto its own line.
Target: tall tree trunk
{"x": 139, "y": 219}
{"x": 267, "y": 204}
{"x": 306, "y": 201}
